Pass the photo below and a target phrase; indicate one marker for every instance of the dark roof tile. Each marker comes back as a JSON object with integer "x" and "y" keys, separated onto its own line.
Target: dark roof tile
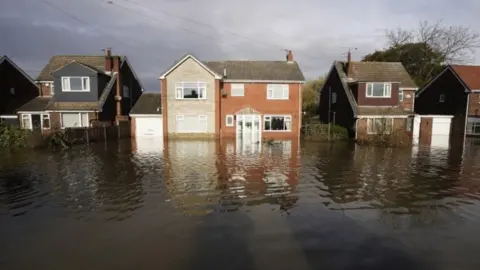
{"x": 258, "y": 70}
{"x": 148, "y": 103}
{"x": 380, "y": 72}
{"x": 36, "y": 104}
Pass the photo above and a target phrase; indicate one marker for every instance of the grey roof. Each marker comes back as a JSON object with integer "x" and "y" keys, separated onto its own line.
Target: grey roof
{"x": 96, "y": 62}
{"x": 148, "y": 103}
{"x": 35, "y": 105}
{"x": 258, "y": 70}
{"x": 380, "y": 72}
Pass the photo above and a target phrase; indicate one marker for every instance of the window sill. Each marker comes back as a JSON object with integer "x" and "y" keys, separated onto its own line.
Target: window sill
{"x": 278, "y": 99}
{"x": 75, "y": 90}
{"x": 379, "y": 97}
{"x": 280, "y": 131}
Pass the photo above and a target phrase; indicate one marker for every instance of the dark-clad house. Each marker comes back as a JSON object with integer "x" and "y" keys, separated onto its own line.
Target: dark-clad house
{"x": 16, "y": 87}
{"x": 81, "y": 91}
{"x": 361, "y": 95}
{"x": 456, "y": 92}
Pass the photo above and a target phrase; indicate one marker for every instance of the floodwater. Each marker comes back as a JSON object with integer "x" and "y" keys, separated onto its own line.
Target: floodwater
{"x": 207, "y": 205}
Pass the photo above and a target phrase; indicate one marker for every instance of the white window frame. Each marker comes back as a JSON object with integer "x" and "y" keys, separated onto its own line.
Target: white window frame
{"x": 52, "y": 89}
{"x": 441, "y": 98}
{"x": 232, "y": 120}
{"x": 387, "y": 90}
{"x": 179, "y": 86}
{"x": 401, "y": 95}
{"x": 30, "y": 123}
{"x": 79, "y": 119}
{"x": 285, "y": 88}
{"x": 471, "y": 124}
{"x": 369, "y": 123}
{"x": 237, "y": 90}
{"x": 66, "y": 86}
{"x": 200, "y": 118}
{"x": 268, "y": 118}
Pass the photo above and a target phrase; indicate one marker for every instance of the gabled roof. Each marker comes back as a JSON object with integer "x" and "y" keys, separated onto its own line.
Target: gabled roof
{"x": 339, "y": 67}
{"x": 77, "y": 63}
{"x": 95, "y": 62}
{"x": 8, "y": 60}
{"x": 185, "y": 58}
{"x": 258, "y": 70}
{"x": 470, "y": 75}
{"x": 380, "y": 72}
{"x": 148, "y": 103}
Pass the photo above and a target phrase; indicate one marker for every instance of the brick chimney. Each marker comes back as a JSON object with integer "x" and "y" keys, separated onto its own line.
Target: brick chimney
{"x": 118, "y": 86}
{"x": 348, "y": 64}
{"x": 289, "y": 56}
{"x": 108, "y": 59}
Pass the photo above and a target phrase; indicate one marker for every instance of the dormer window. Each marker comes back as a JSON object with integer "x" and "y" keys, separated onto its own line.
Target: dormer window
{"x": 379, "y": 90}
{"x": 75, "y": 84}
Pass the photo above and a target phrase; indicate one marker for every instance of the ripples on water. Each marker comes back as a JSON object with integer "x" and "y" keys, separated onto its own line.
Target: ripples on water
{"x": 394, "y": 191}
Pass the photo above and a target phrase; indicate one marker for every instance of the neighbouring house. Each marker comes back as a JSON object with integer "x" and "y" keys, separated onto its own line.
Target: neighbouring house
{"x": 248, "y": 100}
{"x": 81, "y": 91}
{"x": 17, "y": 88}
{"x": 454, "y": 92}
{"x": 368, "y": 98}
{"x": 146, "y": 116}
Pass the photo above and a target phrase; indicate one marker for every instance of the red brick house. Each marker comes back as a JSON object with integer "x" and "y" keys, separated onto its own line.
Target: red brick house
{"x": 17, "y": 88}
{"x": 368, "y": 98}
{"x": 232, "y": 99}
{"x": 456, "y": 92}
{"x": 82, "y": 90}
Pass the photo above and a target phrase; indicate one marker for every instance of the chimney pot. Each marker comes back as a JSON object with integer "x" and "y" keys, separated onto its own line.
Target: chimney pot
{"x": 289, "y": 56}
{"x": 108, "y": 52}
{"x": 108, "y": 59}
{"x": 349, "y": 56}
{"x": 224, "y": 72}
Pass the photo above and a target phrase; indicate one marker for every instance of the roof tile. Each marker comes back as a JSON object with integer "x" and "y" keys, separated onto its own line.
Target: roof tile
{"x": 258, "y": 70}
{"x": 470, "y": 75}
{"x": 381, "y": 72}
{"x": 148, "y": 103}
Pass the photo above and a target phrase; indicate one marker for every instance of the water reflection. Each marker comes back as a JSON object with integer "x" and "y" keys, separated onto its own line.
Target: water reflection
{"x": 281, "y": 205}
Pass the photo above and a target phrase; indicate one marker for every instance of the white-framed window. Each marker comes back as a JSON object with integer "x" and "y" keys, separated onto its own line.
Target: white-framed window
{"x": 400, "y": 95}
{"x": 191, "y": 123}
{"x": 277, "y": 91}
{"x": 52, "y": 89}
{"x": 126, "y": 92}
{"x": 277, "y": 123}
{"x": 74, "y": 120}
{"x": 229, "y": 120}
{"x": 379, "y": 90}
{"x": 26, "y": 121}
{"x": 238, "y": 90}
{"x": 75, "y": 84}
{"x": 379, "y": 125}
{"x": 45, "y": 121}
{"x": 441, "y": 98}
{"x": 190, "y": 90}
{"x": 334, "y": 98}
{"x": 473, "y": 126}
{"x": 12, "y": 91}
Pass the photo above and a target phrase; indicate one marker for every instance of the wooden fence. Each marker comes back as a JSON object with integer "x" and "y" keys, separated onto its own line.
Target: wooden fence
{"x": 99, "y": 133}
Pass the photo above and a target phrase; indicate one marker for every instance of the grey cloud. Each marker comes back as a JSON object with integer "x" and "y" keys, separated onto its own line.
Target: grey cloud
{"x": 317, "y": 31}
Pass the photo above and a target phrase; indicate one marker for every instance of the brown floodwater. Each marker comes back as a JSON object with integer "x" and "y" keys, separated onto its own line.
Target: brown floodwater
{"x": 210, "y": 205}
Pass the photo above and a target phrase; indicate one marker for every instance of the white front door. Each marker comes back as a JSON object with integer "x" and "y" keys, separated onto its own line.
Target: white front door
{"x": 249, "y": 132}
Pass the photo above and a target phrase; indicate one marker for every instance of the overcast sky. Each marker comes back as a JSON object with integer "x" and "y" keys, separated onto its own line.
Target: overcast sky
{"x": 155, "y": 33}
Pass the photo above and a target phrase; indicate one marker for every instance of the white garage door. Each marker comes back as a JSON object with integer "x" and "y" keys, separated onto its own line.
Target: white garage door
{"x": 149, "y": 126}
{"x": 441, "y": 126}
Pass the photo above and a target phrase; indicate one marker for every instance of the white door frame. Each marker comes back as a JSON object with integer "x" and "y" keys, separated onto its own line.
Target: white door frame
{"x": 240, "y": 130}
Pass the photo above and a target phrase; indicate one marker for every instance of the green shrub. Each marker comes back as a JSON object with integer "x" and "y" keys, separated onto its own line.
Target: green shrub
{"x": 12, "y": 137}
{"x": 322, "y": 132}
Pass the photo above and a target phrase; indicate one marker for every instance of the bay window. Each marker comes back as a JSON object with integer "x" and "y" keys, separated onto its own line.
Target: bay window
{"x": 75, "y": 84}
{"x": 191, "y": 90}
{"x": 277, "y": 91}
{"x": 379, "y": 125}
{"x": 277, "y": 123}
{"x": 74, "y": 120}
{"x": 379, "y": 90}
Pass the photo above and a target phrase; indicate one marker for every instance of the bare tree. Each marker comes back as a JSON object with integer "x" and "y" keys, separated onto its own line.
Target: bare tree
{"x": 454, "y": 43}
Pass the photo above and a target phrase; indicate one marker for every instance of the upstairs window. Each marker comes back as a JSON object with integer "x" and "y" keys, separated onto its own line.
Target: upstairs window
{"x": 379, "y": 90}
{"x": 277, "y": 91}
{"x": 334, "y": 98}
{"x": 191, "y": 90}
{"x": 75, "y": 84}
{"x": 12, "y": 91}
{"x": 238, "y": 90}
{"x": 400, "y": 95}
{"x": 441, "y": 98}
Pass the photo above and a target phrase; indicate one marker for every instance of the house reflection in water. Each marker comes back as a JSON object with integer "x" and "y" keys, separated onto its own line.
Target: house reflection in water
{"x": 206, "y": 176}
